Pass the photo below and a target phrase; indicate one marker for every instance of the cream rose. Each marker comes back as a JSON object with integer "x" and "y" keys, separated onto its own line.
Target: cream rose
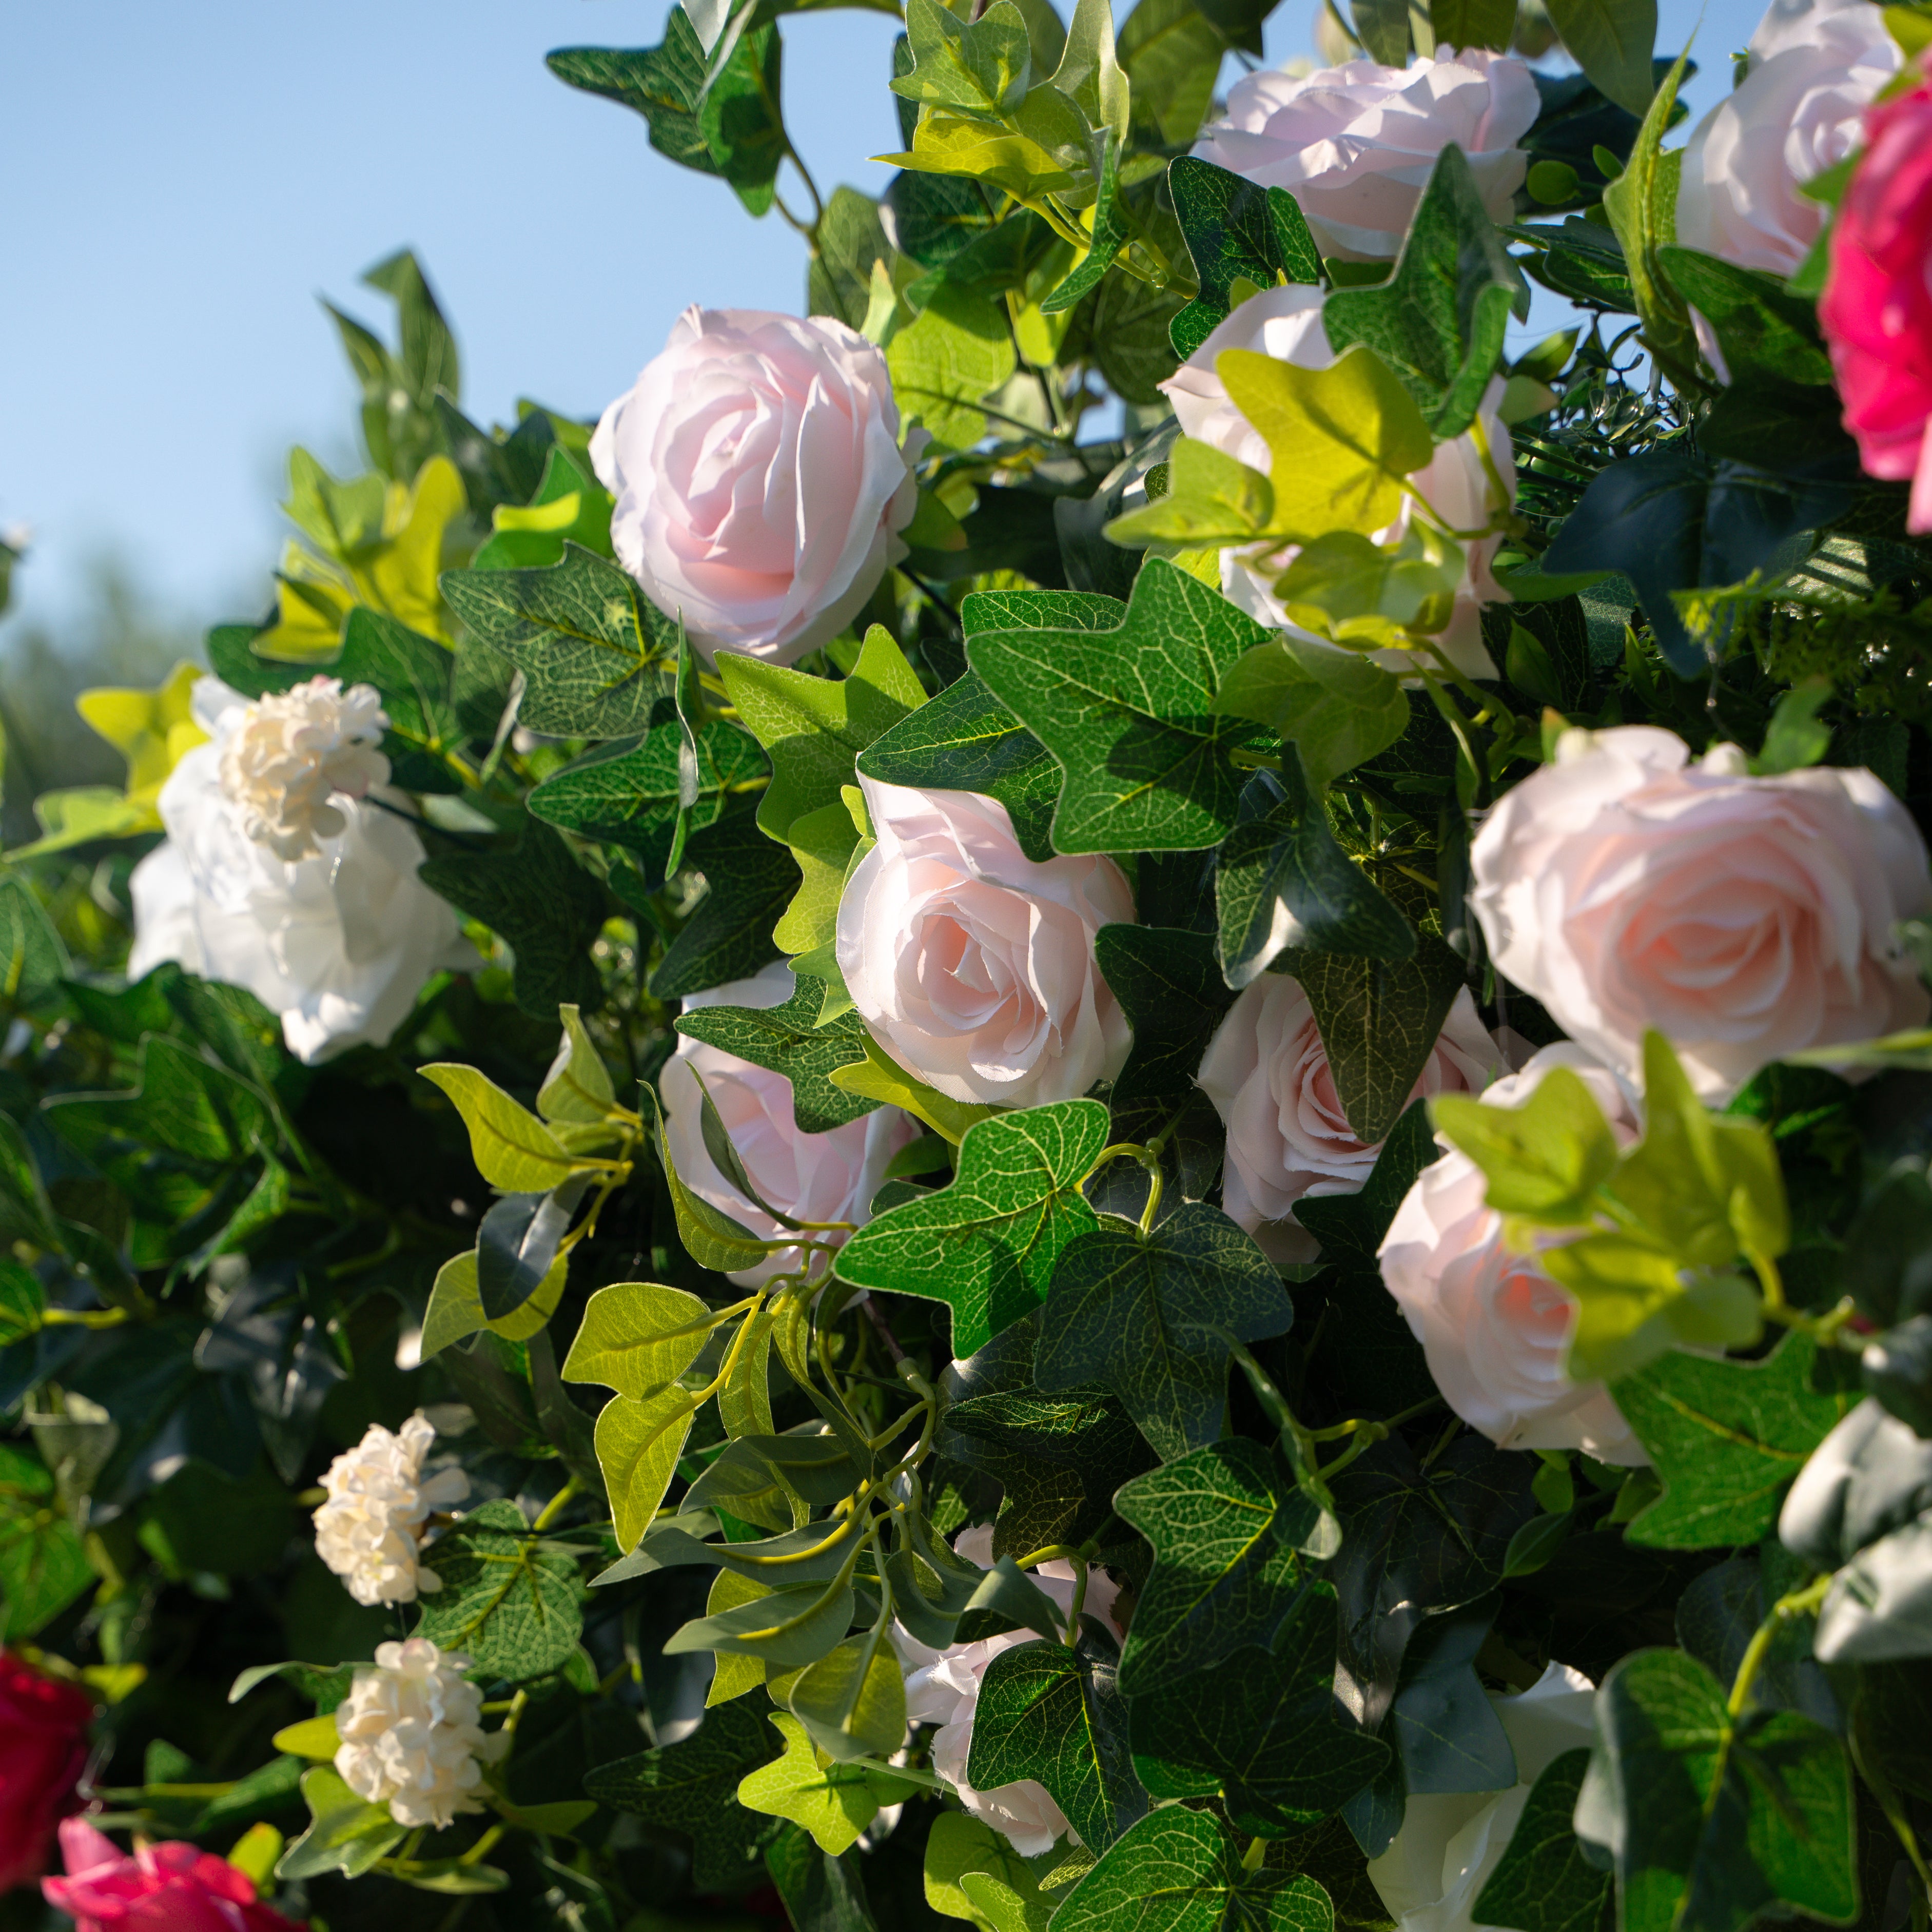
{"x": 1267, "y": 1074}
{"x": 760, "y": 484}
{"x": 827, "y": 1177}
{"x": 1494, "y": 1326}
{"x": 338, "y": 941}
{"x": 1814, "y": 66}
{"x": 1744, "y": 918}
{"x": 974, "y": 965}
{"x": 1354, "y": 144}
{"x": 1286, "y": 323}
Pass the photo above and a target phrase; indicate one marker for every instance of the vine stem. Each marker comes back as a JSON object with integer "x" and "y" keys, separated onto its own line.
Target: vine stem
{"x": 1782, "y": 1611}
{"x": 555, "y": 1507}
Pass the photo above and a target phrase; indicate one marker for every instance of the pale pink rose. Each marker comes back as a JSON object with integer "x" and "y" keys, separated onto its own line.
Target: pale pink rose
{"x": 1799, "y": 109}
{"x": 1743, "y": 918}
{"x": 1494, "y": 1327}
{"x": 1355, "y": 144}
{"x": 974, "y": 965}
{"x": 760, "y": 486}
{"x": 1267, "y": 1074}
{"x": 168, "y": 1887}
{"x": 827, "y": 1177}
{"x": 943, "y": 1688}
{"x": 1286, "y": 323}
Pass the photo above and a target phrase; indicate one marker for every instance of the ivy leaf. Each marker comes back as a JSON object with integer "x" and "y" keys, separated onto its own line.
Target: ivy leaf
{"x": 1127, "y": 714}
{"x": 1264, "y": 1730}
{"x": 570, "y": 506}
{"x": 1438, "y": 320}
{"x": 543, "y": 904}
{"x": 1726, "y": 1437}
{"x": 819, "y": 1893}
{"x": 981, "y": 68}
{"x": 960, "y": 350}
{"x": 1113, "y": 227}
{"x": 1056, "y": 1715}
{"x": 33, "y": 961}
{"x": 1227, "y": 1530}
{"x": 748, "y": 883}
{"x": 507, "y": 1603}
{"x": 44, "y": 1567}
{"x": 986, "y": 1244}
{"x": 1761, "y": 329}
{"x": 1235, "y": 230}
{"x": 1153, "y": 1315}
{"x": 1544, "y": 1883}
{"x": 789, "y": 1039}
{"x": 833, "y": 1802}
{"x": 692, "y": 1787}
{"x": 593, "y": 650}
{"x": 740, "y": 119}
{"x": 1338, "y": 709}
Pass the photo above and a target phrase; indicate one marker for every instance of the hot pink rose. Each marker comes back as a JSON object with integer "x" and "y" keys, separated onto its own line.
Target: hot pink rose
{"x": 1494, "y": 1327}
{"x": 759, "y": 483}
{"x": 1744, "y": 918}
{"x": 1877, "y": 310}
{"x": 170, "y": 1887}
{"x": 43, "y": 1729}
{"x": 1267, "y": 1074}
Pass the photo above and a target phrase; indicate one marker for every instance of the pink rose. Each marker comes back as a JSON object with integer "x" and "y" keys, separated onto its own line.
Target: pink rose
{"x": 1354, "y": 144}
{"x": 1267, "y": 1074}
{"x": 827, "y": 1177}
{"x": 974, "y": 965}
{"x": 44, "y": 1728}
{"x": 1495, "y": 1327}
{"x": 1797, "y": 111}
{"x": 1876, "y": 310}
{"x": 760, "y": 486}
{"x": 1286, "y": 323}
{"x": 1744, "y": 918}
{"x": 170, "y": 1887}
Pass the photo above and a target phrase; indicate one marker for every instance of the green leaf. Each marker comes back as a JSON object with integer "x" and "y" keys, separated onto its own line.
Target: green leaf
{"x": 1544, "y": 1883}
{"x": 22, "y": 1302}
{"x": 1264, "y": 1730}
{"x": 346, "y": 1833}
{"x": 578, "y": 1088}
{"x": 1726, "y": 1437}
{"x": 981, "y": 68}
{"x": 1794, "y": 738}
{"x": 1236, "y": 230}
{"x": 749, "y": 882}
{"x": 819, "y": 1893}
{"x": 1761, "y": 330}
{"x": 960, "y": 349}
{"x": 44, "y": 1567}
{"x": 1227, "y": 1529}
{"x": 1715, "y": 1820}
{"x": 692, "y": 1787}
{"x": 1127, "y": 713}
{"x": 1171, "y": 52}
{"x": 1337, "y": 709}
{"x": 456, "y": 1305}
{"x": 790, "y": 1628}
{"x": 986, "y": 1244}
{"x": 1641, "y": 204}
{"x": 879, "y": 1077}
{"x": 1212, "y": 499}
{"x": 638, "y": 1444}
{"x": 740, "y": 119}
{"x": 637, "y": 1337}
{"x": 32, "y": 960}
{"x": 594, "y": 651}
{"x": 508, "y": 1603}
{"x": 1383, "y": 29}
{"x": 1611, "y": 41}
{"x": 1113, "y": 227}
{"x": 833, "y": 1802}
{"x": 1179, "y": 1871}
{"x": 1438, "y": 320}
{"x": 1056, "y": 1715}
{"x": 853, "y": 1702}
{"x": 1473, "y": 23}
{"x": 570, "y": 506}
{"x": 1153, "y": 1316}
{"x": 959, "y": 1845}
{"x": 1544, "y": 1159}
{"x": 513, "y": 1150}
{"x": 789, "y": 1039}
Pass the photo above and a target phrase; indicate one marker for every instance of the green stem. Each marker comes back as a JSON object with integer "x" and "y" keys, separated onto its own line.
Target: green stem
{"x": 1797, "y": 1604}
{"x": 555, "y": 1507}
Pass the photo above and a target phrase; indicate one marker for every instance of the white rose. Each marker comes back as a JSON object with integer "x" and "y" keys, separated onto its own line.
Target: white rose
{"x": 1267, "y": 1074}
{"x": 1814, "y": 67}
{"x": 827, "y": 1177}
{"x": 943, "y": 1688}
{"x": 369, "y": 1531}
{"x": 411, "y": 1734}
{"x": 1435, "y": 1871}
{"x": 974, "y": 965}
{"x": 1286, "y": 323}
{"x": 1495, "y": 1327}
{"x": 760, "y": 484}
{"x": 1744, "y": 918}
{"x": 339, "y": 941}
{"x": 1355, "y": 144}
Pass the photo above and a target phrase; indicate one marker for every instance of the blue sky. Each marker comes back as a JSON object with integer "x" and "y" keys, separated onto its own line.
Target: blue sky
{"x": 182, "y": 182}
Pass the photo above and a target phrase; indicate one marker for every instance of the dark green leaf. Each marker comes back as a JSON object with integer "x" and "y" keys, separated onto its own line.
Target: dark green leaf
{"x": 1473, "y": 23}
{"x": 505, "y": 1602}
{"x": 1445, "y": 1730}
{"x": 1235, "y": 230}
{"x": 43, "y": 1566}
{"x": 32, "y": 960}
{"x": 821, "y": 1893}
{"x": 1544, "y": 1883}
{"x": 788, "y": 1039}
{"x": 1611, "y": 40}
{"x": 1382, "y": 27}
{"x": 851, "y": 239}
{"x": 1761, "y": 330}
{"x": 749, "y": 881}
{"x": 740, "y": 119}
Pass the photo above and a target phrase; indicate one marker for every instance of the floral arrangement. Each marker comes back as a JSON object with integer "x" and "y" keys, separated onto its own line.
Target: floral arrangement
{"x": 1094, "y": 1094}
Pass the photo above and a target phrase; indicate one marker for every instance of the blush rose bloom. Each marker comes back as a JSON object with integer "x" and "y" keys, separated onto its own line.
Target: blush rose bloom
{"x": 1744, "y": 918}
{"x": 1813, "y": 69}
{"x": 827, "y": 1177}
{"x": 1267, "y": 1074}
{"x": 1286, "y": 323}
{"x": 1355, "y": 144}
{"x": 44, "y": 1727}
{"x": 943, "y": 1688}
{"x": 760, "y": 484}
{"x": 1877, "y": 309}
{"x": 974, "y": 965}
{"x": 1495, "y": 1327}
{"x": 169, "y": 1887}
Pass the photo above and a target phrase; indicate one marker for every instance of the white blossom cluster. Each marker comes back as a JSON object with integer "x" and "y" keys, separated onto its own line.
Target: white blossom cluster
{"x": 291, "y": 754}
{"x": 412, "y": 1737}
{"x": 369, "y": 1531}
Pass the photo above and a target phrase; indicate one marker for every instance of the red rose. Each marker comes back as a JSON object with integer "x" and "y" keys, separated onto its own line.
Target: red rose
{"x": 167, "y": 1888}
{"x": 42, "y": 1748}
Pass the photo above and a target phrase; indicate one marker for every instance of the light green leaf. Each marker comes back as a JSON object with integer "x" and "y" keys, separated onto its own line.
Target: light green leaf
{"x": 637, "y": 1337}
{"x": 959, "y": 1844}
{"x": 1543, "y": 1160}
{"x": 1364, "y": 594}
{"x": 513, "y": 1149}
{"x": 981, "y": 68}
{"x": 578, "y": 1086}
{"x": 790, "y": 1628}
{"x": 878, "y": 1077}
{"x": 1211, "y": 499}
{"x": 638, "y": 1444}
{"x": 832, "y": 1801}
{"x": 1337, "y": 708}
{"x": 852, "y": 1701}
{"x": 733, "y": 1675}
{"x": 346, "y": 1834}
{"x": 960, "y": 349}
{"x": 456, "y": 1305}
{"x": 1641, "y": 204}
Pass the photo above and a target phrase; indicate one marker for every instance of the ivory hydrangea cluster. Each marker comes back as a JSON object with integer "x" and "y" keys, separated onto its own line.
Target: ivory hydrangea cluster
{"x": 369, "y": 1531}
{"x": 413, "y": 1737}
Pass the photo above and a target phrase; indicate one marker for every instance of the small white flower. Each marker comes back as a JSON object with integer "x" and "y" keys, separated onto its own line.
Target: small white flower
{"x": 369, "y": 1531}
{"x": 411, "y": 1734}
{"x": 288, "y": 755}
